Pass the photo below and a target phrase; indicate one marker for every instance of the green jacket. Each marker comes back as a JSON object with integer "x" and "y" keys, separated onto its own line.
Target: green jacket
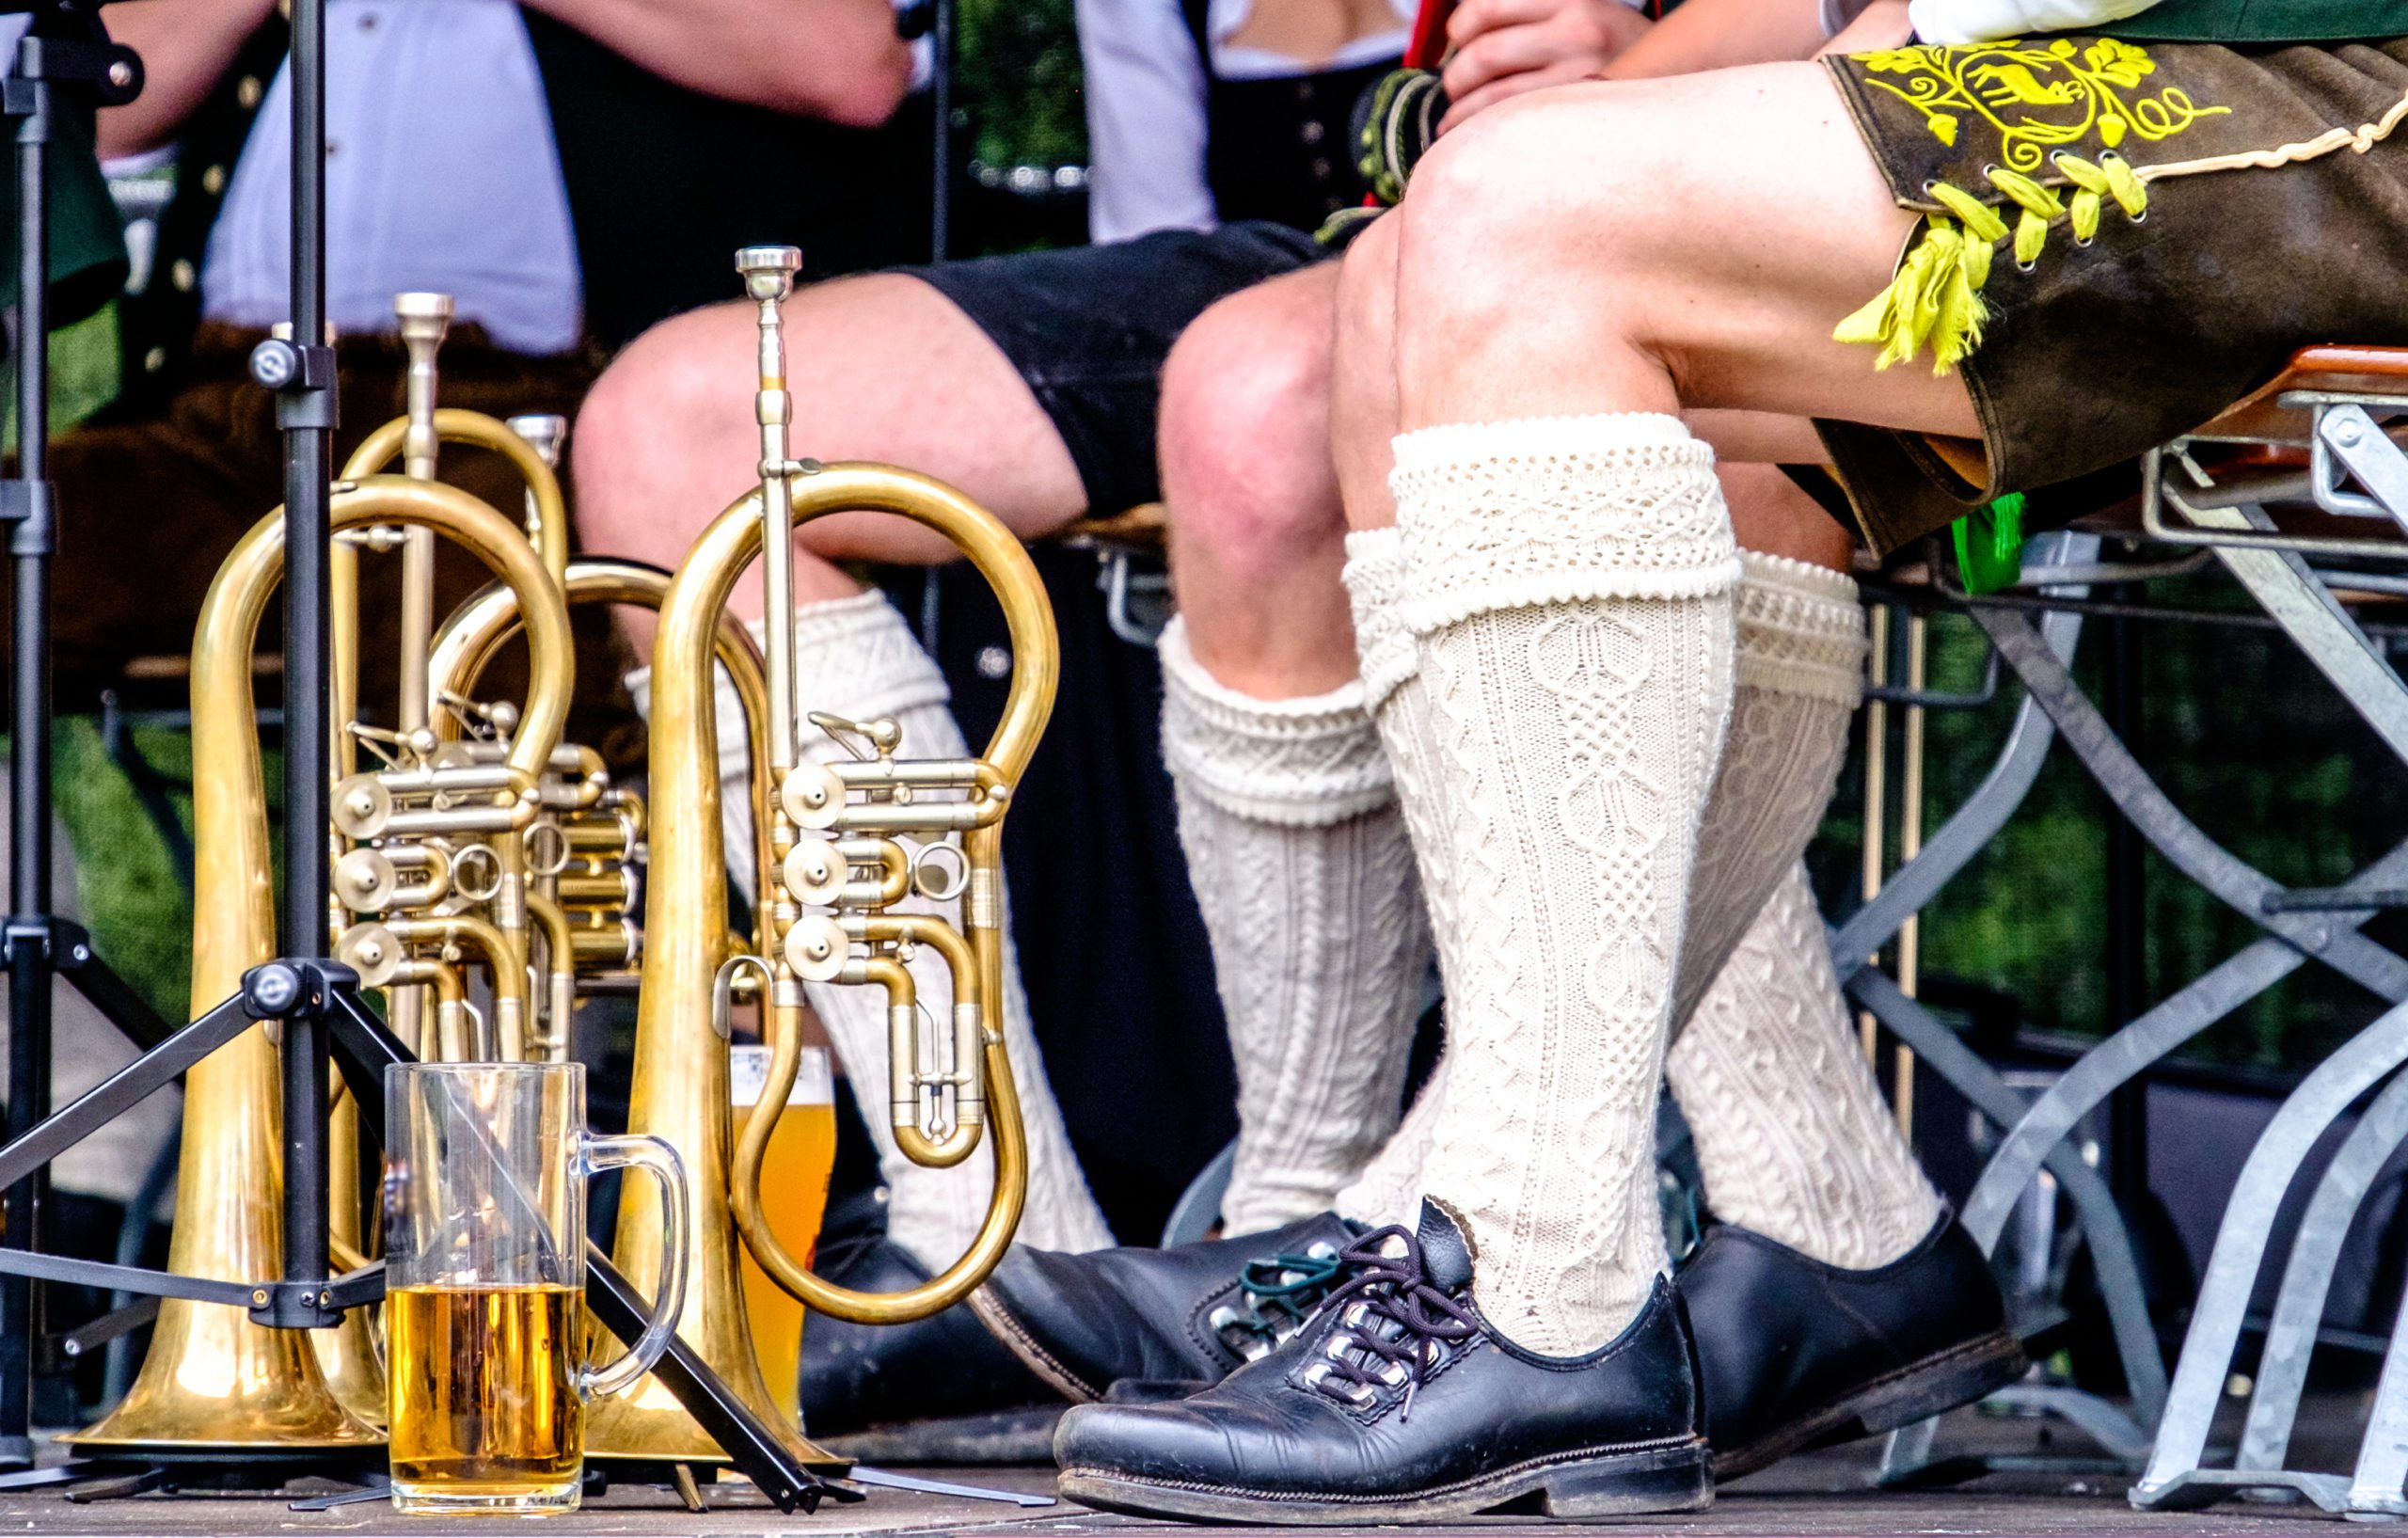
{"x": 2265, "y": 21}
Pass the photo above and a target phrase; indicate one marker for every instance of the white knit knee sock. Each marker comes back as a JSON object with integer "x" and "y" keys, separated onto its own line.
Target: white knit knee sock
{"x": 1385, "y": 1189}
{"x": 1799, "y": 670}
{"x": 1569, "y": 590}
{"x": 857, "y": 657}
{"x": 1792, "y": 1137}
{"x": 1304, "y": 878}
{"x": 1790, "y": 1129}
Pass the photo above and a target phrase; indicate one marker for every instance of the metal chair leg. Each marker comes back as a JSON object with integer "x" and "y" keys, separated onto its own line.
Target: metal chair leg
{"x": 2174, "y": 1475}
{"x": 2307, "y": 1277}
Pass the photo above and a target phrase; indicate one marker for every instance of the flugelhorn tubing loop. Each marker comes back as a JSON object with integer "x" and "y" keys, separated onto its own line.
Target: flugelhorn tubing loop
{"x": 969, "y": 1104}
{"x": 475, "y": 429}
{"x": 958, "y": 1280}
{"x": 487, "y": 621}
{"x": 687, "y": 882}
{"x": 560, "y": 976}
{"x": 506, "y": 968}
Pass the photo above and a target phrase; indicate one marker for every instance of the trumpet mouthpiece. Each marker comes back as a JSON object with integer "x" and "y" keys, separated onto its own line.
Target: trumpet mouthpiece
{"x": 768, "y": 270}
{"x": 547, "y": 433}
{"x": 424, "y": 317}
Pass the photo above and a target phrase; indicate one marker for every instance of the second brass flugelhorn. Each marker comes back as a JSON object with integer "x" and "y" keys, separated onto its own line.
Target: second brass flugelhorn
{"x": 836, "y": 836}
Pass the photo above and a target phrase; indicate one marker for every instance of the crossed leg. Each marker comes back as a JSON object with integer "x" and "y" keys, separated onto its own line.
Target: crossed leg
{"x": 1582, "y": 250}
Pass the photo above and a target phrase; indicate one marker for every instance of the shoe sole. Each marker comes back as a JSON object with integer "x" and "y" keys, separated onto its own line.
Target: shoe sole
{"x": 1918, "y": 1391}
{"x": 991, "y": 1312}
{"x": 1577, "y": 1487}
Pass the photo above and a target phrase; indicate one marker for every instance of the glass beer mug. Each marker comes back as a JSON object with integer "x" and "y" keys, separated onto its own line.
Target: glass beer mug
{"x": 485, "y": 1165}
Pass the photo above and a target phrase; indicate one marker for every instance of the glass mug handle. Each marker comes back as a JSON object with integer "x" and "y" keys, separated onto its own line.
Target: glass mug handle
{"x": 656, "y": 1157}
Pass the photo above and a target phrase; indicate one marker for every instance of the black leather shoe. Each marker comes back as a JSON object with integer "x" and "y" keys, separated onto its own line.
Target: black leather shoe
{"x": 1398, "y": 1402}
{"x": 943, "y": 1367}
{"x": 1189, "y": 1315}
{"x": 1794, "y": 1354}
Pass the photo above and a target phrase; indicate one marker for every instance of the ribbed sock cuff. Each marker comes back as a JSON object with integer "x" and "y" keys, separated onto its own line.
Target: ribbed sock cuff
{"x": 1553, "y": 510}
{"x": 1800, "y": 630}
{"x": 1298, "y": 763}
{"x": 1374, "y": 578}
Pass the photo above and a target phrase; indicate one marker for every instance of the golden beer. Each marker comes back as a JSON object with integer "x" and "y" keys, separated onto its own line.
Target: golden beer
{"x": 794, "y": 1198}
{"x": 482, "y": 1394}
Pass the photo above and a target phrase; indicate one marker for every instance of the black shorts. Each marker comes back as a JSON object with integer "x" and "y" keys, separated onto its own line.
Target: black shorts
{"x": 1088, "y": 328}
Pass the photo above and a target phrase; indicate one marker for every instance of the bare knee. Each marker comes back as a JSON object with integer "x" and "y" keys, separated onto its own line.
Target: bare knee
{"x": 1244, "y": 431}
{"x": 1538, "y": 206}
{"x": 661, "y": 441}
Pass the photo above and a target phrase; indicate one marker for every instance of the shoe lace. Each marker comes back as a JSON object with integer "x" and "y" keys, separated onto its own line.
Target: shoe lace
{"x": 1393, "y": 1326}
{"x": 1279, "y": 1294}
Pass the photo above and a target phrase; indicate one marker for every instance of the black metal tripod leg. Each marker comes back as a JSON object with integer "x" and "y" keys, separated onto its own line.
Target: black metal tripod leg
{"x": 363, "y": 1049}
{"x": 758, "y": 1453}
{"x": 112, "y": 1096}
{"x": 72, "y": 954}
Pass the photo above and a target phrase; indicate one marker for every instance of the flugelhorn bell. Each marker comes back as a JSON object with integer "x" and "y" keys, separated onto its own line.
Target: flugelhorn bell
{"x": 213, "y": 1382}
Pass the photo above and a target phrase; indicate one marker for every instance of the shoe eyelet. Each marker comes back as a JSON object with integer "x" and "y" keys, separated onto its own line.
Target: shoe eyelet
{"x": 2027, "y": 268}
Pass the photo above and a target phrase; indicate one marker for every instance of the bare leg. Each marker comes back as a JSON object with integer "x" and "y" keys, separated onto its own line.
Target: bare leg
{"x": 881, "y": 368}
{"x": 1257, "y": 535}
{"x": 1769, "y": 513}
{"x": 1565, "y": 254}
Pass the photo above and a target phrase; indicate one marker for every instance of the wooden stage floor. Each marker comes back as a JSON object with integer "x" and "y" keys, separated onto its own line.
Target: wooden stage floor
{"x": 1820, "y": 1495}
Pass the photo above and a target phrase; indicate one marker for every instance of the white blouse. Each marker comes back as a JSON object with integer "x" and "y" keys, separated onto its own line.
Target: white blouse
{"x": 1981, "y": 21}
{"x": 1145, "y": 101}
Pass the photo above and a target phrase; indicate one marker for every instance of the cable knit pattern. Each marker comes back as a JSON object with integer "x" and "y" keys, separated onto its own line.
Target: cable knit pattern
{"x": 1801, "y": 669}
{"x": 1508, "y": 519}
{"x": 1296, "y": 763}
{"x": 1388, "y": 1189}
{"x": 1577, "y": 728}
{"x": 1792, "y": 1136}
{"x": 1319, "y": 939}
{"x": 857, "y": 657}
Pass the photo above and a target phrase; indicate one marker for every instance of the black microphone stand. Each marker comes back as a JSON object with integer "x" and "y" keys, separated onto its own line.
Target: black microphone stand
{"x": 316, "y": 1000}
{"x": 66, "y": 53}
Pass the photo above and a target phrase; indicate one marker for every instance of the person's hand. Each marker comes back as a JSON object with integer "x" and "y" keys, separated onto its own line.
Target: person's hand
{"x": 1881, "y": 25}
{"x": 1505, "y": 47}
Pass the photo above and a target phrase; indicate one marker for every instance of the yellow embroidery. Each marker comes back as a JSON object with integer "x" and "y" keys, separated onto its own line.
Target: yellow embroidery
{"x": 2038, "y": 94}
{"x": 1937, "y": 295}
{"x": 2043, "y": 97}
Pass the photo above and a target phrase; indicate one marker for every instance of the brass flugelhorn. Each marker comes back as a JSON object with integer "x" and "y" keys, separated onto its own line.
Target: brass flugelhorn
{"x": 949, "y": 1087}
{"x": 212, "y": 1380}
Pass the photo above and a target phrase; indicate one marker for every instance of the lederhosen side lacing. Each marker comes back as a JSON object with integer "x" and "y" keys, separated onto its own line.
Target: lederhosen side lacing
{"x": 1936, "y": 296}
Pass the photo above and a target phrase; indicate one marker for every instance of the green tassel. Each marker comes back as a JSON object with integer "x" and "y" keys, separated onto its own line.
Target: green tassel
{"x": 1989, "y": 546}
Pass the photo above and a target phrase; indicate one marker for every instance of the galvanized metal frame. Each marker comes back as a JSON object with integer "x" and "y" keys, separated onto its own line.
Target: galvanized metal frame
{"x": 2301, "y": 926}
